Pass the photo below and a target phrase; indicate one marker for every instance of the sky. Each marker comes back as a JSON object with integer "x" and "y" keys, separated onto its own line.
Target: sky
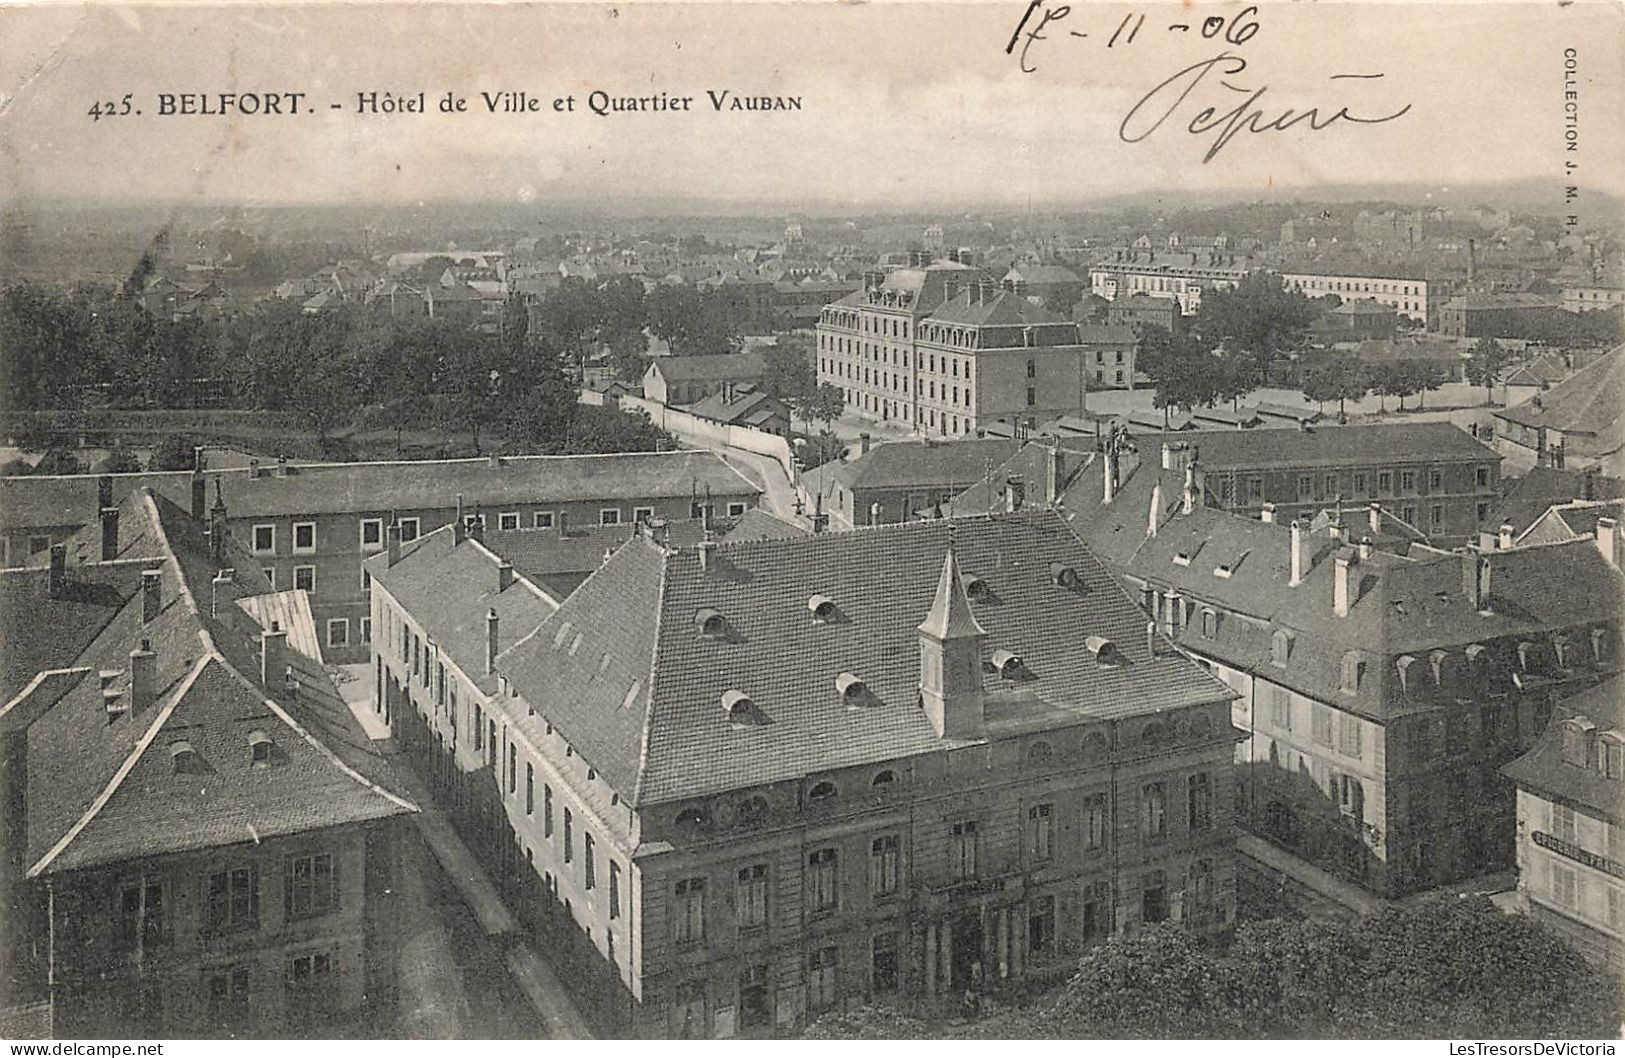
{"x": 901, "y": 102}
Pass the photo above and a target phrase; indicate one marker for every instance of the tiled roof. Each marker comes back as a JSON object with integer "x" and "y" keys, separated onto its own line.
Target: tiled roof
{"x": 999, "y": 309}
{"x": 1591, "y": 402}
{"x": 1043, "y": 274}
{"x": 718, "y": 368}
{"x": 378, "y": 488}
{"x": 760, "y": 524}
{"x": 92, "y": 596}
{"x": 1106, "y": 334}
{"x": 901, "y": 464}
{"x": 1544, "y": 771}
{"x": 1334, "y": 446}
{"x": 1542, "y": 488}
{"x": 100, "y": 791}
{"x": 627, "y": 673}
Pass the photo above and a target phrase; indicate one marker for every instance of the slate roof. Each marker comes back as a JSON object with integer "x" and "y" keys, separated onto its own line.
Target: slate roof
{"x": 1544, "y": 771}
{"x": 906, "y": 464}
{"x": 1332, "y": 446}
{"x": 1588, "y": 406}
{"x": 999, "y": 309}
{"x": 626, "y": 674}
{"x": 1544, "y": 487}
{"x": 718, "y": 368}
{"x": 92, "y": 597}
{"x": 378, "y": 488}
{"x": 1040, "y": 274}
{"x": 100, "y": 792}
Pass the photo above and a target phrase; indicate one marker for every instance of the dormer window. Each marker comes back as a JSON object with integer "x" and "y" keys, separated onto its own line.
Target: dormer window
{"x": 887, "y": 777}
{"x": 1579, "y": 742}
{"x": 976, "y": 588}
{"x": 740, "y": 710}
{"x": 1182, "y": 558}
{"x": 1563, "y": 650}
{"x": 1154, "y": 734}
{"x": 1439, "y": 661}
{"x": 1599, "y": 645}
{"x": 821, "y": 791}
{"x": 1526, "y": 656}
{"x": 1063, "y": 576}
{"x": 184, "y": 758}
{"x": 1210, "y": 623}
{"x": 1006, "y": 664}
{"x": 1611, "y": 754}
{"x": 712, "y": 625}
{"x": 822, "y": 608}
{"x": 1103, "y": 650}
{"x": 259, "y": 748}
{"x": 1353, "y": 672}
{"x": 850, "y": 688}
{"x": 1280, "y": 647}
{"x": 1403, "y": 666}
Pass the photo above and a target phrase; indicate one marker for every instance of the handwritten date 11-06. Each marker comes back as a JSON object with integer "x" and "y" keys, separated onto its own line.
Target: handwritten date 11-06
{"x": 1235, "y": 30}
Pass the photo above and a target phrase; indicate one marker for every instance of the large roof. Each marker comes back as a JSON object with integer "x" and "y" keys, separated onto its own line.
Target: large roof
{"x": 1544, "y": 487}
{"x": 1333, "y": 446}
{"x": 631, "y": 673}
{"x": 378, "y": 488}
{"x": 1000, "y": 308}
{"x": 905, "y": 464}
{"x": 102, "y": 791}
{"x": 717, "y": 368}
{"x": 1544, "y": 770}
{"x": 1588, "y": 407}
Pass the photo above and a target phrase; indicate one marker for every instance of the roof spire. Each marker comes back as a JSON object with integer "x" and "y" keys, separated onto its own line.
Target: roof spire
{"x": 951, "y": 616}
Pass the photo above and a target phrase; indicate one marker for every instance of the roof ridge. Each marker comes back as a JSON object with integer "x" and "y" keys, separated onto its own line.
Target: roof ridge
{"x": 124, "y": 769}
{"x": 34, "y": 684}
{"x": 649, "y": 688}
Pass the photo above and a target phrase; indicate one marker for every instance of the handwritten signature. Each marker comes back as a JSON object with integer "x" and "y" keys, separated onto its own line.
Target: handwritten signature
{"x": 1157, "y": 106}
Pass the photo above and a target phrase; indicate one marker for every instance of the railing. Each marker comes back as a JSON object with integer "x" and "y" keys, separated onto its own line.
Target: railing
{"x": 1574, "y": 852}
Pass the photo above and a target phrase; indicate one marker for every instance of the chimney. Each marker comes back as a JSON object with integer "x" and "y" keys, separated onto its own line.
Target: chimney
{"x": 1151, "y": 639}
{"x": 104, "y": 490}
{"x": 200, "y": 497}
{"x": 393, "y": 536}
{"x": 109, "y": 533}
{"x": 1192, "y": 495}
{"x": 222, "y": 580}
{"x": 253, "y": 468}
{"x": 504, "y": 576}
{"x": 562, "y": 520}
{"x": 1608, "y": 540}
{"x": 281, "y": 466}
{"x": 864, "y": 441}
{"x": 1475, "y": 579}
{"x": 1373, "y": 513}
{"x": 152, "y": 595}
{"x": 459, "y": 528}
{"x": 1109, "y": 476}
{"x": 197, "y": 459}
{"x": 1341, "y": 589}
{"x": 1337, "y": 532}
{"x": 476, "y": 526}
{"x": 273, "y": 658}
{"x": 820, "y": 520}
{"x": 1300, "y": 552}
{"x": 1054, "y": 473}
{"x": 1267, "y": 513}
{"x": 1588, "y": 483}
{"x": 1503, "y": 536}
{"x": 58, "y": 577}
{"x": 707, "y": 551}
{"x": 217, "y": 527}
{"x": 494, "y": 461}
{"x": 1015, "y": 493}
{"x": 143, "y": 676}
{"x": 490, "y": 642}
{"x": 1366, "y": 547}
{"x": 1155, "y": 513}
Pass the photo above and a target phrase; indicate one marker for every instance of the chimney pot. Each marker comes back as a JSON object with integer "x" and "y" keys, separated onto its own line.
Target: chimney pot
{"x": 1366, "y": 547}
{"x": 1015, "y": 493}
{"x": 281, "y": 466}
{"x": 1503, "y": 536}
{"x": 1374, "y": 516}
{"x": 1267, "y": 513}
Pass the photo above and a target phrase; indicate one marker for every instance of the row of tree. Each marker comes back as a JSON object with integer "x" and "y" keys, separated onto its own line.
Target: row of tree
{"x": 1446, "y": 969}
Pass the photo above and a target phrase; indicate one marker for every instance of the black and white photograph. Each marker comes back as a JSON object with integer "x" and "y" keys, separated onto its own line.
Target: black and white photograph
{"x": 913, "y": 520}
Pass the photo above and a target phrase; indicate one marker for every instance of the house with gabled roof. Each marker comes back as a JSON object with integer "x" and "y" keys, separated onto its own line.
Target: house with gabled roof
{"x": 201, "y": 840}
{"x": 779, "y": 775}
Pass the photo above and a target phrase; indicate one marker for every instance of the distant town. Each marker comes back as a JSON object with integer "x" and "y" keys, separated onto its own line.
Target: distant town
{"x": 470, "y": 622}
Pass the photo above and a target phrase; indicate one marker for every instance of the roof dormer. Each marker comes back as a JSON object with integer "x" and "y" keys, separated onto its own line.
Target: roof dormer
{"x": 822, "y": 608}
{"x": 741, "y": 710}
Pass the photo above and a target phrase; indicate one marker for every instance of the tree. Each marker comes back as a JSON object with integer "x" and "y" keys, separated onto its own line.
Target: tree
{"x": 1158, "y": 983}
{"x": 694, "y": 323}
{"x": 469, "y": 375}
{"x": 825, "y": 405}
{"x": 174, "y": 452}
{"x": 788, "y": 370}
{"x": 119, "y": 461}
{"x": 821, "y": 448}
{"x": 1185, "y": 375}
{"x": 59, "y": 461}
{"x": 540, "y": 401}
{"x": 596, "y": 428}
{"x": 1428, "y": 376}
{"x": 1342, "y": 380}
{"x": 1487, "y": 364}
{"x": 1258, "y": 316}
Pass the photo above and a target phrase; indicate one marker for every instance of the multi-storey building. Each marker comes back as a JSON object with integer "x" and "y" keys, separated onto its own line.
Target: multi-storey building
{"x": 200, "y": 840}
{"x": 1379, "y": 693}
{"x": 942, "y": 348}
{"x": 1410, "y": 294}
{"x": 758, "y": 781}
{"x": 1178, "y": 277}
{"x": 1571, "y": 831}
{"x": 899, "y": 481}
{"x": 309, "y": 526}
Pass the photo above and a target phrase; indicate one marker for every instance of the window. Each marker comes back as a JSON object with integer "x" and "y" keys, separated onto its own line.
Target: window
{"x": 1041, "y": 832}
{"x": 1322, "y": 725}
{"x": 1280, "y": 648}
{"x": 233, "y": 900}
{"x": 140, "y": 916}
{"x": 688, "y": 918}
{"x": 309, "y": 979}
{"x": 1435, "y": 516}
{"x": 614, "y": 890}
{"x": 264, "y": 541}
{"x": 1329, "y": 486}
{"x": 312, "y": 886}
{"x": 304, "y": 577}
{"x": 409, "y": 529}
{"x": 1563, "y": 823}
{"x": 1041, "y": 926}
{"x": 1407, "y": 514}
{"x": 1199, "y": 891}
{"x": 542, "y": 520}
{"x": 1435, "y": 480}
{"x": 228, "y": 995}
{"x": 1306, "y": 486}
{"x": 38, "y": 543}
{"x": 822, "y": 968}
{"x": 1154, "y": 811}
{"x": 643, "y": 514}
{"x": 883, "y": 965}
{"x": 755, "y": 1009}
{"x": 304, "y": 537}
{"x": 589, "y": 865}
{"x": 962, "y": 850}
{"x": 1348, "y": 736}
{"x": 609, "y": 516}
{"x": 1385, "y": 482}
{"x": 547, "y": 810}
{"x": 1154, "y": 897}
{"x": 1407, "y": 481}
{"x": 750, "y": 896}
{"x": 569, "y": 837}
{"x": 1096, "y": 910}
{"x": 1094, "y": 821}
{"x": 1280, "y": 706}
{"x": 372, "y": 534}
{"x": 823, "y": 877}
{"x": 513, "y": 768}
{"x": 1359, "y": 483}
{"x": 338, "y": 632}
{"x": 1199, "y": 797}
{"x": 735, "y": 509}
{"x": 1565, "y": 887}
{"x": 884, "y": 856}
{"x": 1483, "y": 477}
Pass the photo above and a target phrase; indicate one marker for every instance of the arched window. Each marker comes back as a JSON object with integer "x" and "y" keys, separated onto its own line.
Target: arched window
{"x": 1040, "y": 753}
{"x": 1093, "y": 746}
{"x": 886, "y": 777}
{"x": 693, "y": 816}
{"x": 821, "y": 791}
{"x": 1154, "y": 734}
{"x": 259, "y": 748}
{"x": 711, "y": 623}
{"x": 753, "y": 811}
{"x": 1280, "y": 648}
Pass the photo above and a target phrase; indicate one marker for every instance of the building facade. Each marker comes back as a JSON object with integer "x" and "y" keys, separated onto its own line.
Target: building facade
{"x": 1412, "y": 296}
{"x": 741, "y": 846}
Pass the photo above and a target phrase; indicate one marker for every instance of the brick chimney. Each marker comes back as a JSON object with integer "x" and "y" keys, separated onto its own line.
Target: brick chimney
{"x": 1266, "y": 513}
{"x": 143, "y": 676}
{"x": 1154, "y": 515}
{"x": 1342, "y": 587}
{"x": 109, "y": 533}
{"x": 1503, "y": 536}
{"x": 152, "y": 595}
{"x": 392, "y": 536}
{"x": 1373, "y": 513}
{"x": 1300, "y": 552}
{"x": 491, "y": 622}
{"x": 273, "y": 658}
{"x": 200, "y": 497}
{"x": 1475, "y": 579}
{"x": 1015, "y": 493}
{"x": 221, "y": 582}
{"x": 1609, "y": 540}
{"x": 504, "y": 576}
{"x": 57, "y": 580}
